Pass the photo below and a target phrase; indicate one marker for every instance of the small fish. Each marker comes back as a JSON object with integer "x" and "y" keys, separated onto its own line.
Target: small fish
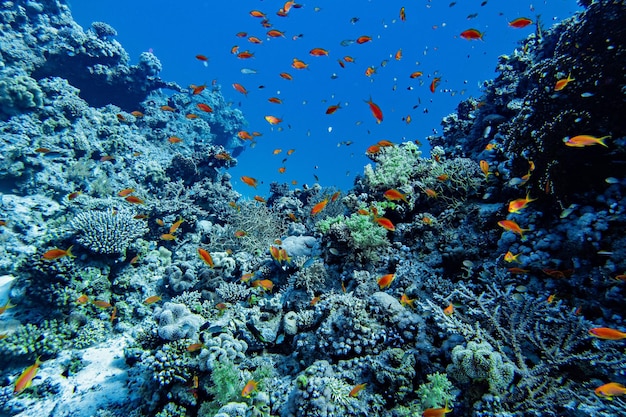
{"x": 101, "y": 304}
{"x": 134, "y": 200}
{"x": 275, "y": 100}
{"x": 607, "y": 333}
{"x": 318, "y": 52}
{"x": 402, "y": 14}
{"x": 56, "y": 253}
{"x": 376, "y": 111}
{"x": 484, "y": 167}
{"x": 434, "y": 84}
{"x": 257, "y": 13}
{"x": 356, "y": 389}
{"x": 273, "y": 33}
{"x": 318, "y": 207}
{"x": 174, "y": 227}
{"x": 436, "y": 412}
{"x": 416, "y": 74}
{"x": 386, "y": 223}
{"x": 333, "y": 108}
{"x": 248, "y": 71}
{"x": 245, "y": 55}
{"x": 448, "y": 311}
{"x": 137, "y": 114}
{"x": 610, "y": 390}
{"x": 125, "y": 192}
{"x": 174, "y": 139}
{"x": 197, "y": 89}
{"x": 152, "y": 299}
{"x": 472, "y": 34}
{"x": 249, "y": 181}
{"x": 167, "y": 108}
{"x": 83, "y": 299}
{"x": 26, "y": 378}
{"x": 363, "y": 39}
{"x": 394, "y": 195}
{"x": 581, "y": 141}
{"x": 250, "y": 387}
{"x": 430, "y": 193}
{"x": 511, "y": 226}
{"x": 520, "y": 22}
{"x": 273, "y": 120}
{"x": 206, "y": 257}
{"x": 509, "y": 257}
{"x": 194, "y": 347}
{"x": 406, "y": 301}
{"x": 266, "y": 284}
{"x": 73, "y": 195}
{"x": 240, "y": 88}
{"x": 385, "y": 281}
{"x": 298, "y": 64}
{"x": 286, "y": 76}
{"x": 516, "y": 205}
{"x": 254, "y": 39}
{"x": 167, "y": 236}
{"x": 204, "y": 107}
{"x": 240, "y": 233}
{"x": 562, "y": 83}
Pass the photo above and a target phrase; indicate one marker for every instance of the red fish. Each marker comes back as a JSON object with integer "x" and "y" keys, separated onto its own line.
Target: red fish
{"x": 206, "y": 257}
{"x": 318, "y": 52}
{"x": 240, "y": 88}
{"x": 607, "y": 333}
{"x": 363, "y": 39}
{"x": 385, "y": 281}
{"x": 318, "y": 207}
{"x": 26, "y": 378}
{"x": 204, "y": 107}
{"x": 386, "y": 223}
{"x": 434, "y": 84}
{"x": 56, "y": 253}
{"x": 333, "y": 108}
{"x": 472, "y": 34}
{"x": 376, "y": 111}
{"x": 249, "y": 181}
{"x": 520, "y": 22}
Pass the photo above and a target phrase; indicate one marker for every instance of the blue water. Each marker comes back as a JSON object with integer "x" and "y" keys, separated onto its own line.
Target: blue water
{"x": 429, "y": 38}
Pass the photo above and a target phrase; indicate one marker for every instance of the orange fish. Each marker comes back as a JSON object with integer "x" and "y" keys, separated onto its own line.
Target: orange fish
{"x": 275, "y": 100}
{"x": 436, "y": 412}
{"x": 416, "y": 74}
{"x": 376, "y": 111}
{"x": 174, "y": 139}
{"x": 286, "y": 76}
{"x": 174, "y": 227}
{"x": 249, "y": 181}
{"x": 57, "y": 253}
{"x": 125, "y": 192}
{"x": 581, "y": 141}
{"x": 363, "y": 39}
{"x": 607, "y": 333}
{"x": 167, "y": 108}
{"x": 298, "y": 64}
{"x": 356, "y": 389}
{"x": 26, "y": 378}
{"x": 257, "y": 13}
{"x": 240, "y": 88}
{"x": 204, "y": 107}
{"x": 241, "y": 34}
{"x": 434, "y": 84}
{"x": 484, "y": 167}
{"x": 73, "y": 195}
{"x": 385, "y": 281}
{"x": 240, "y": 233}
{"x": 168, "y": 236}
{"x": 134, "y": 200}
{"x": 520, "y": 22}
{"x": 273, "y": 120}
{"x": 562, "y": 83}
{"x": 206, "y": 257}
{"x": 448, "y": 311}
{"x": 83, "y": 299}
{"x": 386, "y": 223}
{"x": 273, "y": 33}
{"x": 518, "y": 271}
{"x": 318, "y": 207}
{"x": 318, "y": 52}
{"x": 202, "y": 58}
{"x": 106, "y": 158}
{"x": 254, "y": 39}
{"x": 472, "y": 34}
{"x": 101, "y": 304}
{"x": 610, "y": 390}
{"x": 516, "y": 205}
{"x": 384, "y": 142}
{"x": 430, "y": 193}
{"x": 266, "y": 284}
{"x": 152, "y": 299}
{"x": 290, "y": 151}
{"x": 395, "y": 195}
{"x": 509, "y": 257}
{"x": 244, "y": 135}
{"x": 198, "y": 89}
{"x": 249, "y": 388}
{"x": 137, "y": 113}
{"x": 398, "y": 55}
{"x": 245, "y": 55}
{"x": 194, "y": 347}
{"x": 406, "y": 301}
{"x": 369, "y": 71}
{"x": 191, "y": 116}
{"x": 511, "y": 226}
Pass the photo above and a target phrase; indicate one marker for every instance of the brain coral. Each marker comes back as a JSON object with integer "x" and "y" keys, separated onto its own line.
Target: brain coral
{"x": 177, "y": 322}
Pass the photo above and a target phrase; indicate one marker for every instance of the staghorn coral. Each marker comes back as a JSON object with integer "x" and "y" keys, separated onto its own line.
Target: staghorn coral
{"x": 108, "y": 231}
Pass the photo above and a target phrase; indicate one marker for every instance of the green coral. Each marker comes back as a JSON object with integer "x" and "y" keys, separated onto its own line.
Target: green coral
{"x": 46, "y": 339}
{"x": 364, "y": 234}
{"x": 479, "y": 362}
{"x": 436, "y": 392}
{"x": 226, "y": 385}
{"x": 396, "y": 165}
